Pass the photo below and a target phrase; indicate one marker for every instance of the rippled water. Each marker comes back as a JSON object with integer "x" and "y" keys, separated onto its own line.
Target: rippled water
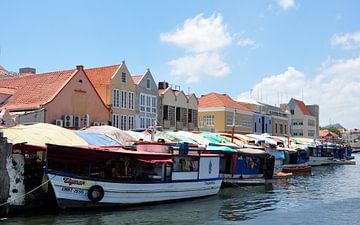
{"x": 330, "y": 196}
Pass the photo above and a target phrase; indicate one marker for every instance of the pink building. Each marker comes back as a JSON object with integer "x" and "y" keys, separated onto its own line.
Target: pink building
{"x": 66, "y": 98}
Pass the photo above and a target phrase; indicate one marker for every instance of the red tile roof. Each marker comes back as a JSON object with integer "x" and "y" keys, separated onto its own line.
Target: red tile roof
{"x": 32, "y": 91}
{"x": 137, "y": 78}
{"x": 302, "y": 107}
{"x": 162, "y": 91}
{"x": 101, "y": 75}
{"x": 323, "y": 133}
{"x": 220, "y": 100}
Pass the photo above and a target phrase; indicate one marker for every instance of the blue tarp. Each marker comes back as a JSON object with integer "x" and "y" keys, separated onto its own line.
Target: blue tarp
{"x": 96, "y": 138}
{"x": 279, "y": 155}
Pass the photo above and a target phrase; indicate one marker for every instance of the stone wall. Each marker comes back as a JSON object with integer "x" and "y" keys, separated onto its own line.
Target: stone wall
{"x": 5, "y": 152}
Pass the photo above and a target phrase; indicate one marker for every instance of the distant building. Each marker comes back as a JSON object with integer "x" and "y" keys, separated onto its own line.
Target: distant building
{"x": 267, "y": 118}
{"x": 178, "y": 111}
{"x": 218, "y": 113}
{"x": 328, "y": 136}
{"x": 66, "y": 98}
{"x": 304, "y": 119}
{"x": 350, "y": 135}
{"x": 147, "y": 106}
{"x": 117, "y": 90}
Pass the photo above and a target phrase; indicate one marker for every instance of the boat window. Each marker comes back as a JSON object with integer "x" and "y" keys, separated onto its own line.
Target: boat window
{"x": 81, "y": 170}
{"x": 186, "y": 164}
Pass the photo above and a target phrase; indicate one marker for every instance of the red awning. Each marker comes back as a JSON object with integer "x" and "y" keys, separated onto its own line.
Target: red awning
{"x": 155, "y": 159}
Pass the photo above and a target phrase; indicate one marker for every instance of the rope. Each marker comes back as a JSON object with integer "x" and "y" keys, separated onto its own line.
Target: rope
{"x": 29, "y": 192}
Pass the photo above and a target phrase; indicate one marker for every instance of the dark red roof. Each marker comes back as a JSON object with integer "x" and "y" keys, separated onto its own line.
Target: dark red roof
{"x": 302, "y": 107}
{"x": 220, "y": 100}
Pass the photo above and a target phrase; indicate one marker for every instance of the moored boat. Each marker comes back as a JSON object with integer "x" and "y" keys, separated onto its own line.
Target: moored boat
{"x": 112, "y": 176}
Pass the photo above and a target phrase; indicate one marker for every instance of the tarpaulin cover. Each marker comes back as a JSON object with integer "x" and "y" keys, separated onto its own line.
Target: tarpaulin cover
{"x": 83, "y": 155}
{"x": 220, "y": 149}
{"x": 253, "y": 152}
{"x": 279, "y": 155}
{"x": 96, "y": 139}
{"x": 42, "y": 133}
{"x": 123, "y": 137}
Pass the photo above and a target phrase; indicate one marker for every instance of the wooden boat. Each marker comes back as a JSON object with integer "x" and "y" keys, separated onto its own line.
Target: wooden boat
{"x": 112, "y": 176}
{"x": 246, "y": 167}
{"x": 296, "y": 161}
{"x": 296, "y": 168}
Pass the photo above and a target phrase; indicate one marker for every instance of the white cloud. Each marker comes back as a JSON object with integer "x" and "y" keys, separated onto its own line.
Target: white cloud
{"x": 192, "y": 67}
{"x": 346, "y": 41}
{"x": 248, "y": 42}
{"x": 336, "y": 89}
{"x": 200, "y": 34}
{"x": 286, "y": 4}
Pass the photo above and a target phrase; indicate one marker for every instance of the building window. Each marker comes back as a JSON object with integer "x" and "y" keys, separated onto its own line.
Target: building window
{"x": 285, "y": 129}
{"x": 230, "y": 119}
{"x": 123, "y": 77}
{"x": 116, "y": 98}
{"x": 311, "y": 133}
{"x": 281, "y": 129}
{"x": 115, "y": 120}
{"x": 190, "y": 116}
{"x": 142, "y": 122}
{"x": 148, "y": 123}
{"x": 178, "y": 114}
{"x": 148, "y": 83}
{"x": 131, "y": 122}
{"x": 153, "y": 104}
{"x": 148, "y": 103}
{"x": 131, "y": 100}
{"x": 123, "y": 122}
{"x": 123, "y": 99}
{"x": 276, "y": 128}
{"x": 246, "y": 123}
{"x": 209, "y": 120}
{"x": 165, "y": 112}
{"x": 142, "y": 103}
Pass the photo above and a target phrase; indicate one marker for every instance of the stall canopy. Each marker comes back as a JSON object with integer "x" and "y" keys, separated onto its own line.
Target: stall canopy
{"x": 97, "y": 139}
{"x": 116, "y": 134}
{"x": 40, "y": 134}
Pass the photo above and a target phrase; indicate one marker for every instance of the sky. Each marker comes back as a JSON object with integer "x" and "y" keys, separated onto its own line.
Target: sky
{"x": 270, "y": 50}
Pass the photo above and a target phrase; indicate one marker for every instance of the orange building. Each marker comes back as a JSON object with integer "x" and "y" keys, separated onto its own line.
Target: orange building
{"x": 65, "y": 98}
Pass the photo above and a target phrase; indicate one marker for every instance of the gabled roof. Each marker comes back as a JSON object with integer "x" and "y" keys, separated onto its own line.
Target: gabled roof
{"x": 302, "y": 107}
{"x": 323, "y": 133}
{"x": 137, "y": 78}
{"x": 33, "y": 91}
{"x": 162, "y": 91}
{"x": 101, "y": 75}
{"x": 220, "y": 100}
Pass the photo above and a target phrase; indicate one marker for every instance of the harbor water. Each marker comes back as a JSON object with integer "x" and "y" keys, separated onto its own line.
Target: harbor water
{"x": 331, "y": 195}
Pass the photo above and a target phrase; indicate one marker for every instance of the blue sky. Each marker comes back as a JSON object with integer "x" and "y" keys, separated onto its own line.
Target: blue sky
{"x": 276, "y": 48}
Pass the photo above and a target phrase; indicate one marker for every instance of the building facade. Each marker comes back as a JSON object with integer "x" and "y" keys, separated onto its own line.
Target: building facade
{"x": 147, "y": 100}
{"x": 268, "y": 118}
{"x": 303, "y": 122}
{"x": 66, "y": 98}
{"x": 117, "y": 90}
{"x": 178, "y": 111}
{"x": 220, "y": 113}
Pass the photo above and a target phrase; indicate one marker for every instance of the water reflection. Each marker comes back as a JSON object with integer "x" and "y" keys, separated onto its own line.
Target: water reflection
{"x": 245, "y": 203}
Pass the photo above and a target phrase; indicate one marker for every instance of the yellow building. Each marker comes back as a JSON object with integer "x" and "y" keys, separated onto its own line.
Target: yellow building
{"x": 117, "y": 90}
{"x": 218, "y": 112}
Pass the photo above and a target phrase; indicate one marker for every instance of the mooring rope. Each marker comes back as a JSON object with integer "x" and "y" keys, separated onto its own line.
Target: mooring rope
{"x": 29, "y": 192}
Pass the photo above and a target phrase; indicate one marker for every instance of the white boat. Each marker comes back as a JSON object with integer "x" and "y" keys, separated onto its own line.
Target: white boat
{"x": 144, "y": 177}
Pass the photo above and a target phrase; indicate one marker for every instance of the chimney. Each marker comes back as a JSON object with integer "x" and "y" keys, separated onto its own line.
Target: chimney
{"x": 27, "y": 70}
{"x": 163, "y": 85}
{"x": 147, "y": 69}
{"x": 80, "y": 67}
{"x": 123, "y": 62}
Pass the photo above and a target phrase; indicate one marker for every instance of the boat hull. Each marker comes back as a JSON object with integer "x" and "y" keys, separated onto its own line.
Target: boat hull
{"x": 73, "y": 192}
{"x": 296, "y": 168}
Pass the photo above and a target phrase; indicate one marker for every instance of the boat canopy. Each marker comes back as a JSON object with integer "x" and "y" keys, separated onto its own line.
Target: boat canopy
{"x": 220, "y": 149}
{"x": 253, "y": 152}
{"x": 116, "y": 134}
{"x": 84, "y": 155}
{"x": 96, "y": 139}
{"x": 40, "y": 134}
